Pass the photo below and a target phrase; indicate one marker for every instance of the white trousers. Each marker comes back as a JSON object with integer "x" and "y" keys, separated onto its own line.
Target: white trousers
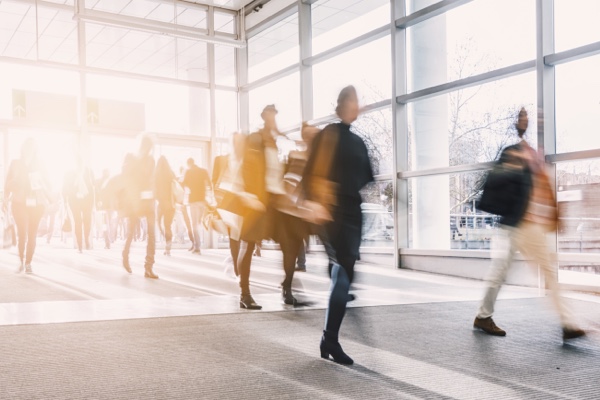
{"x": 530, "y": 239}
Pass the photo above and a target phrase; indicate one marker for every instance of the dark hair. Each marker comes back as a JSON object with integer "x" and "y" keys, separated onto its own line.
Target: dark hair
{"x": 522, "y": 114}
{"x": 346, "y": 93}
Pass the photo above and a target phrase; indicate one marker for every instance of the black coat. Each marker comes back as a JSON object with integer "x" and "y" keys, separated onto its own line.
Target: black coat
{"x": 507, "y": 189}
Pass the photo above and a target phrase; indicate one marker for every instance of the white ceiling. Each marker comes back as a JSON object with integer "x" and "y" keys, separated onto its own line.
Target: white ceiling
{"x": 231, "y": 4}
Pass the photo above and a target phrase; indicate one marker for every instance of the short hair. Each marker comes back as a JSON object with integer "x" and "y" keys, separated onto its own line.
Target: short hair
{"x": 346, "y": 93}
{"x": 190, "y": 162}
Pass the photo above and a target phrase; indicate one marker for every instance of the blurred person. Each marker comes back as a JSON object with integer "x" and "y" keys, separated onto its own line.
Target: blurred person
{"x": 337, "y": 169}
{"x": 226, "y": 176}
{"x": 139, "y": 197}
{"x": 166, "y": 203}
{"x": 106, "y": 206}
{"x": 530, "y": 214}
{"x": 262, "y": 178}
{"x": 196, "y": 179}
{"x": 183, "y": 209}
{"x": 27, "y": 188}
{"x": 78, "y": 193}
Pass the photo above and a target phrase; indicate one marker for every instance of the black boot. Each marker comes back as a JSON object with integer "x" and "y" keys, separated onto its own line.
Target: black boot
{"x": 288, "y": 298}
{"x": 149, "y": 273}
{"x": 331, "y": 346}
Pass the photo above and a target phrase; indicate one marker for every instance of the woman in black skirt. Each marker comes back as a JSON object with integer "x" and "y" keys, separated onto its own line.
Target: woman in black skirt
{"x": 338, "y": 168}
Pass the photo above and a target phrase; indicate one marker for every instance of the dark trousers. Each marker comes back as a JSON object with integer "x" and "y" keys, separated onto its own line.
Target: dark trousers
{"x": 291, "y": 233}
{"x": 82, "y": 221}
{"x": 342, "y": 242}
{"x": 166, "y": 214}
{"x": 133, "y": 221}
{"x": 234, "y": 249}
{"x": 27, "y": 220}
{"x": 244, "y": 261}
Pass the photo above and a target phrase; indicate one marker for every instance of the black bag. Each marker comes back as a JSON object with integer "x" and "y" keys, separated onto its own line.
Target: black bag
{"x": 503, "y": 191}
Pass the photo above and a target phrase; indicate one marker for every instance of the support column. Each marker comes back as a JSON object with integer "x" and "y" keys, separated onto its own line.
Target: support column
{"x": 306, "y": 74}
{"x": 400, "y": 123}
{"x": 84, "y": 140}
{"x": 431, "y": 195}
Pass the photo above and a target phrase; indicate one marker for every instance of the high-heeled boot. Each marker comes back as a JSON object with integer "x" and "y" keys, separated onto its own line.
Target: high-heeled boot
{"x": 126, "y": 263}
{"x": 331, "y": 346}
{"x": 149, "y": 273}
{"x": 288, "y": 297}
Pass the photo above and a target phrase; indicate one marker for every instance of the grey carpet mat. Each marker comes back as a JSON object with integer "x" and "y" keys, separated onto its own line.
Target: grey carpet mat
{"x": 423, "y": 351}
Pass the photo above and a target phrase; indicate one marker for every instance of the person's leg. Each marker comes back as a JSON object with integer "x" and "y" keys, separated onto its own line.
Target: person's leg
{"x": 19, "y": 212}
{"x": 169, "y": 215}
{"x": 244, "y": 262}
{"x": 188, "y": 224}
{"x": 87, "y": 223}
{"x": 195, "y": 215}
{"x": 503, "y": 252}
{"x": 533, "y": 244}
{"x": 151, "y": 245}
{"x": 301, "y": 256}
{"x": 234, "y": 249}
{"x": 51, "y": 223}
{"x": 77, "y": 212}
{"x": 130, "y": 222}
{"x": 33, "y": 223}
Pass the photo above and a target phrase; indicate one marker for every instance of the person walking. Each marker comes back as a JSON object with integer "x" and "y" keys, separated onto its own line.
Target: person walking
{"x": 139, "y": 194}
{"x": 164, "y": 179}
{"x": 27, "y": 188}
{"x": 78, "y": 193}
{"x": 531, "y": 213}
{"x": 337, "y": 169}
{"x": 196, "y": 179}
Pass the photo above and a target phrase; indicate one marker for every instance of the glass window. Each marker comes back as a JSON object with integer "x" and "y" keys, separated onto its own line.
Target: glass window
{"x": 166, "y": 106}
{"x": 577, "y": 106}
{"x": 225, "y": 22}
{"x": 378, "y": 214}
{"x": 192, "y": 16}
{"x": 109, "y": 152}
{"x": 575, "y": 23}
{"x": 337, "y": 21}
{"x": 471, "y": 125}
{"x": 578, "y": 191}
{"x": 225, "y": 65}
{"x": 373, "y": 81}
{"x": 226, "y": 113}
{"x": 443, "y": 214}
{"x": 375, "y": 128}
{"x": 470, "y": 40}
{"x": 285, "y": 94}
{"x": 273, "y": 49}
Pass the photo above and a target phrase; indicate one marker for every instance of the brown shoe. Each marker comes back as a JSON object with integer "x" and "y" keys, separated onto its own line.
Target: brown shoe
{"x": 488, "y": 326}
{"x": 572, "y": 333}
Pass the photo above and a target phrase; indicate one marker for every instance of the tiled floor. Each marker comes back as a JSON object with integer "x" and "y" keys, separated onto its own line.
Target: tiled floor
{"x": 70, "y": 287}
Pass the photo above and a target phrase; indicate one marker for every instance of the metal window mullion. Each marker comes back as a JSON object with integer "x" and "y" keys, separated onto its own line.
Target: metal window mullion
{"x": 400, "y": 130}
{"x": 577, "y": 53}
{"x": 272, "y": 20}
{"x": 573, "y": 156}
{"x": 272, "y": 77}
{"x": 464, "y": 83}
{"x": 458, "y": 169}
{"x": 426, "y": 13}
{"x": 82, "y": 56}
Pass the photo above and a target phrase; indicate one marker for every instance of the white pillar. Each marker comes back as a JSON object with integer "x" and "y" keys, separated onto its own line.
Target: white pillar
{"x": 431, "y": 195}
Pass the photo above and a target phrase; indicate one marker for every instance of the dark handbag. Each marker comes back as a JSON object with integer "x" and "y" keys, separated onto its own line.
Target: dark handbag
{"x": 503, "y": 190}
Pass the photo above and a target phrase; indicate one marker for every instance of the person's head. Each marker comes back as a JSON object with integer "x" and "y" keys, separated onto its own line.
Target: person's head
{"x": 238, "y": 144}
{"x": 190, "y": 162}
{"x": 347, "y": 105}
{"x": 28, "y": 150}
{"x": 162, "y": 164}
{"x": 146, "y": 145}
{"x": 268, "y": 115}
{"x": 522, "y": 123}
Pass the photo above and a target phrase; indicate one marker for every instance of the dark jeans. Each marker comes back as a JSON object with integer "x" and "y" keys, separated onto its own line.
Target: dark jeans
{"x": 151, "y": 246}
{"x": 243, "y": 265}
{"x": 27, "y": 220}
{"x": 82, "y": 220}
{"x": 342, "y": 242}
